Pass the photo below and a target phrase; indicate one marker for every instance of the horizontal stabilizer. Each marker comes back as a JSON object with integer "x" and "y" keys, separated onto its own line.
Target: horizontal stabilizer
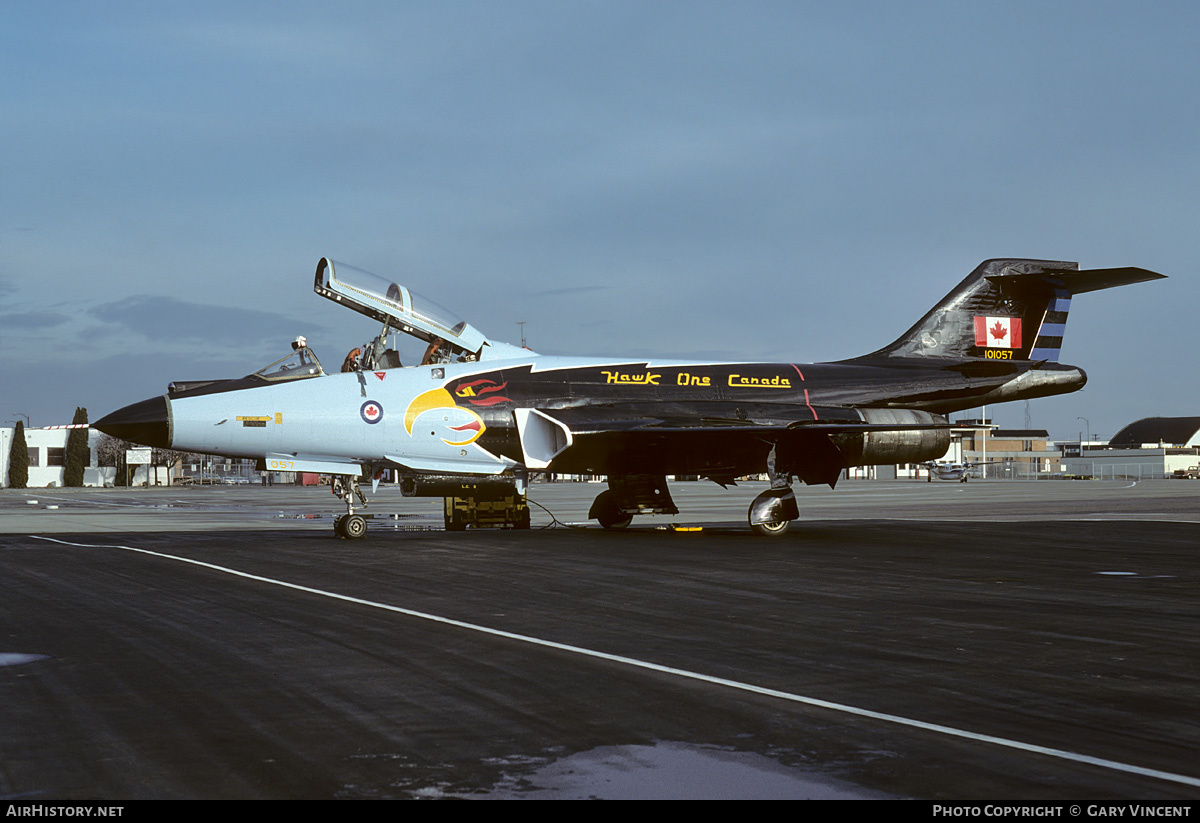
{"x": 1085, "y": 280}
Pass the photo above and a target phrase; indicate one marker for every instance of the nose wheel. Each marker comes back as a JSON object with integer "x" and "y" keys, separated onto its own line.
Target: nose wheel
{"x": 349, "y": 526}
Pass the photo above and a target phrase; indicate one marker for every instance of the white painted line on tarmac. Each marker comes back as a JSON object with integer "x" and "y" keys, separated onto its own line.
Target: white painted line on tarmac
{"x": 642, "y": 664}
{"x": 107, "y": 503}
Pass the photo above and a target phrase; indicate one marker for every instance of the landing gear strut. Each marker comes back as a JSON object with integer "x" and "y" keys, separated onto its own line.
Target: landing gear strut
{"x": 349, "y": 526}
{"x": 772, "y": 512}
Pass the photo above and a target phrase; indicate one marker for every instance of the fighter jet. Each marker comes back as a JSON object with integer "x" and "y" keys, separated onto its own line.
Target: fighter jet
{"x": 476, "y": 417}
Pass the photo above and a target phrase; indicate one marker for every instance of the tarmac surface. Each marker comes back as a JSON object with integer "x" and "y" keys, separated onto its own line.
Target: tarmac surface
{"x": 1015, "y": 640}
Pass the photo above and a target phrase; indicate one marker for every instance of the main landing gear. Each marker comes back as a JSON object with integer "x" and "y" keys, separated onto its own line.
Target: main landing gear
{"x": 349, "y": 526}
{"x": 607, "y": 511}
{"x": 772, "y": 512}
{"x": 770, "y": 515}
{"x": 629, "y": 495}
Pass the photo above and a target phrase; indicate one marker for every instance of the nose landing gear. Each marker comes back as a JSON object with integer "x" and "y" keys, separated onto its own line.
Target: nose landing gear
{"x": 349, "y": 526}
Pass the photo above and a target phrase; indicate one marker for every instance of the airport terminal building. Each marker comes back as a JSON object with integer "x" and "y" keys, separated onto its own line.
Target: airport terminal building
{"x": 1008, "y": 454}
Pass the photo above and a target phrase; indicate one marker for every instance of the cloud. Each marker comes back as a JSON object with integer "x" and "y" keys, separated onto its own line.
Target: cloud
{"x": 165, "y": 319}
{"x": 573, "y": 291}
{"x": 31, "y": 320}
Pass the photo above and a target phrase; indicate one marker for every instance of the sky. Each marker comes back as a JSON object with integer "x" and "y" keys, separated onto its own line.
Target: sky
{"x": 764, "y": 181}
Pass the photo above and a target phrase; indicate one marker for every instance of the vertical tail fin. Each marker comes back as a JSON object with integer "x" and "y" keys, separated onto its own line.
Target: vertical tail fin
{"x": 1007, "y": 309}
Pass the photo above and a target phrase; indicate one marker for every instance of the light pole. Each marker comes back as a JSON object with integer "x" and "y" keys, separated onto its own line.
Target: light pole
{"x": 1089, "y": 431}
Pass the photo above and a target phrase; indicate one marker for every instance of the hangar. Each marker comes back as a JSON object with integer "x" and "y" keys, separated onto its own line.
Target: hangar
{"x": 1147, "y": 449}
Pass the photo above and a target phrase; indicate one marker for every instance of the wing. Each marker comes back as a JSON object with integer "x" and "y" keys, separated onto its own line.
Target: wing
{"x": 726, "y": 440}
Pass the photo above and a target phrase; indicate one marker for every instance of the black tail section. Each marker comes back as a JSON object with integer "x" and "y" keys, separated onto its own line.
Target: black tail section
{"x": 1007, "y": 309}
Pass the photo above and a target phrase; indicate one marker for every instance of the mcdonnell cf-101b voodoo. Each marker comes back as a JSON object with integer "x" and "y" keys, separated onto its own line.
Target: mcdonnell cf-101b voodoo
{"x": 476, "y": 417}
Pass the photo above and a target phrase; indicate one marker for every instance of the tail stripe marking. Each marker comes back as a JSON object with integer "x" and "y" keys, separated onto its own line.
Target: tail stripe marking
{"x": 1049, "y": 337}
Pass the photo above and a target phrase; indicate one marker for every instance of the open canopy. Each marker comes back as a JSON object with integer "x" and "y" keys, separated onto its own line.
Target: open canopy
{"x": 391, "y": 303}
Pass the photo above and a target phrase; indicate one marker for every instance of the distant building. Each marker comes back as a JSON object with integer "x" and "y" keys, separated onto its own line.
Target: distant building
{"x": 1008, "y": 454}
{"x": 47, "y": 454}
{"x": 1178, "y": 432}
{"x": 1148, "y": 449}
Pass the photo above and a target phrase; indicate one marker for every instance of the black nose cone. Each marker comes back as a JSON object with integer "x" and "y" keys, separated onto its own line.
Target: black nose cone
{"x": 147, "y": 422}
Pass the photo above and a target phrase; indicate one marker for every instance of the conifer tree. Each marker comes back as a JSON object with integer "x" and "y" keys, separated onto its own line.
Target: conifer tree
{"x": 76, "y": 458}
{"x": 18, "y": 459}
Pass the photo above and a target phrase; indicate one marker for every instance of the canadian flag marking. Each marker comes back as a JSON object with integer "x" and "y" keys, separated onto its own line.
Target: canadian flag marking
{"x": 998, "y": 332}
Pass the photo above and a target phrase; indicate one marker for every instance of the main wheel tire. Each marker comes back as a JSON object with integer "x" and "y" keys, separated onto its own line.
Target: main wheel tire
{"x": 354, "y": 527}
{"x": 337, "y": 527}
{"x": 608, "y": 513}
{"x": 775, "y": 529}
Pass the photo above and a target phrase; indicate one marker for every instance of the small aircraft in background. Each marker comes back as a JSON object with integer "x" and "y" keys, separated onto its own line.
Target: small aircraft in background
{"x": 941, "y": 470}
{"x": 476, "y": 417}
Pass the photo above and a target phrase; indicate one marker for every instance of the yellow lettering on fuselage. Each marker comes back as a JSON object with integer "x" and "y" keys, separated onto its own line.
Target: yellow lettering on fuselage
{"x": 646, "y": 379}
{"x": 998, "y": 354}
{"x": 685, "y": 379}
{"x": 741, "y": 381}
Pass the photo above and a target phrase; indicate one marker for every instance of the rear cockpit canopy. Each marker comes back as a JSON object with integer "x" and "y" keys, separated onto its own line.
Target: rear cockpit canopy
{"x": 398, "y": 307}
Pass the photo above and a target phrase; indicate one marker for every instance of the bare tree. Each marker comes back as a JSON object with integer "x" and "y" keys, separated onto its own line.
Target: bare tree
{"x": 110, "y": 451}
{"x": 165, "y": 457}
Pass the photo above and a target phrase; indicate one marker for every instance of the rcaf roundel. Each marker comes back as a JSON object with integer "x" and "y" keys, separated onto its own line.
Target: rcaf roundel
{"x": 371, "y": 412}
{"x": 998, "y": 332}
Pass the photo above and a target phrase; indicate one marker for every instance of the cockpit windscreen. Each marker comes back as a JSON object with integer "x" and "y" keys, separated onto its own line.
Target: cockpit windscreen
{"x": 300, "y": 363}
